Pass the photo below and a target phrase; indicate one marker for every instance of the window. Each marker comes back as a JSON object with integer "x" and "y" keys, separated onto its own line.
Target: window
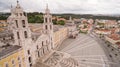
{"x": 116, "y": 55}
{"x": 3, "y": 38}
{"x": 30, "y": 65}
{"x": 13, "y": 62}
{"x": 37, "y": 47}
{"x": 29, "y": 59}
{"x": 46, "y": 27}
{"x": 20, "y": 14}
{"x": 38, "y": 54}
{"x": 45, "y": 19}
{"x": 42, "y": 43}
{"x": 12, "y": 37}
{"x": 110, "y": 55}
{"x": 51, "y": 27}
{"x": 23, "y": 23}
{"x": 25, "y": 34}
{"x": 28, "y": 52}
{"x": 16, "y": 21}
{"x": 16, "y": 14}
{"x": 6, "y": 65}
{"x": 18, "y": 58}
{"x": 18, "y": 35}
{"x": 108, "y": 45}
{"x": 19, "y": 65}
{"x": 43, "y": 51}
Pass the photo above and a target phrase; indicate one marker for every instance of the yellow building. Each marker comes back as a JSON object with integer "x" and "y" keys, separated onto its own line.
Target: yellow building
{"x": 60, "y": 35}
{"x": 2, "y": 25}
{"x": 12, "y": 56}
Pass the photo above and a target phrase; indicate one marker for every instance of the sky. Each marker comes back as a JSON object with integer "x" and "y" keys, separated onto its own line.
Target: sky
{"x": 65, "y": 6}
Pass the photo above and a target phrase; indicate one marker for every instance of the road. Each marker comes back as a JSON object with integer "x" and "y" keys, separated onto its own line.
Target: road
{"x": 87, "y": 50}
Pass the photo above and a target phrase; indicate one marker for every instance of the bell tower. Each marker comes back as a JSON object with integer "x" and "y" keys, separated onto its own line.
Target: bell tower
{"x": 48, "y": 25}
{"x": 18, "y": 24}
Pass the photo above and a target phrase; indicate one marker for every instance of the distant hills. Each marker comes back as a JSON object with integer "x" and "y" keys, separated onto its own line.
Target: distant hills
{"x": 90, "y": 16}
{"x": 4, "y": 16}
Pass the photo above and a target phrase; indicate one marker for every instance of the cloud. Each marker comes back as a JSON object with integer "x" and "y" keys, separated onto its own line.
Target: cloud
{"x": 4, "y": 6}
{"x": 67, "y": 6}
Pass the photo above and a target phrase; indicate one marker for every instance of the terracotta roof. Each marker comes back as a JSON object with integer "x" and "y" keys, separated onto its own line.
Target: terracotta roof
{"x": 114, "y": 36}
{"x": 104, "y": 30}
{"x": 3, "y": 21}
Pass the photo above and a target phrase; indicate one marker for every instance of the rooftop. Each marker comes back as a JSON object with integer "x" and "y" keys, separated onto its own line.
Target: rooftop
{"x": 8, "y": 50}
{"x": 36, "y": 27}
{"x": 57, "y": 27}
{"x": 114, "y": 36}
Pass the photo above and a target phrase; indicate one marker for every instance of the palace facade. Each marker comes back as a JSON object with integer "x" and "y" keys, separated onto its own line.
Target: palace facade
{"x": 38, "y": 46}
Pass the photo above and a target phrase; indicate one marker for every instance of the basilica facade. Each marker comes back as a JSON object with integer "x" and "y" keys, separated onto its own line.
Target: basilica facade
{"x": 38, "y": 46}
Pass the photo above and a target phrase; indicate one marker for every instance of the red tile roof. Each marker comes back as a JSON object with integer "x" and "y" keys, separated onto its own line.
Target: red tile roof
{"x": 114, "y": 36}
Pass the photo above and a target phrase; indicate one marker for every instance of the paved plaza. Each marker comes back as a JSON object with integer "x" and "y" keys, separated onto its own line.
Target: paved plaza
{"x": 86, "y": 50}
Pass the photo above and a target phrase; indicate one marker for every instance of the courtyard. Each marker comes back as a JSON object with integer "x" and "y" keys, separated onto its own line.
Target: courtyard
{"x": 87, "y": 50}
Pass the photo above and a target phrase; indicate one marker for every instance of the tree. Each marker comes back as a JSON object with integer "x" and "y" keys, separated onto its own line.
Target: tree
{"x": 55, "y": 21}
{"x": 35, "y": 17}
{"x": 61, "y": 22}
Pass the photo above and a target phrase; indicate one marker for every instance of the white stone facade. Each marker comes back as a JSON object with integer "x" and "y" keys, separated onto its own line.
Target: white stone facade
{"x": 41, "y": 48}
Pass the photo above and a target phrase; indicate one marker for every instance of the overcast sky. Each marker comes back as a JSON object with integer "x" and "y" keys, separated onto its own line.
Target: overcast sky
{"x": 66, "y": 6}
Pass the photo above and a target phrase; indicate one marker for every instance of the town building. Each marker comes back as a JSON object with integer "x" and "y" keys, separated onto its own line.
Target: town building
{"x": 113, "y": 38}
{"x": 72, "y": 28}
{"x": 12, "y": 56}
{"x": 59, "y": 35}
{"x": 111, "y": 24}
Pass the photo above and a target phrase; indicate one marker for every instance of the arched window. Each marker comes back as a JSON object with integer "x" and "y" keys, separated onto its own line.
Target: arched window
{"x": 46, "y": 27}
{"x": 12, "y": 37}
{"x": 29, "y": 59}
{"x": 51, "y": 27}
{"x": 16, "y": 21}
{"x": 18, "y": 58}
{"x": 13, "y": 62}
{"x": 19, "y": 64}
{"x": 6, "y": 65}
{"x": 18, "y": 35}
{"x": 38, "y": 54}
{"x": 28, "y": 52}
{"x": 46, "y": 20}
{"x": 25, "y": 34}
{"x": 37, "y": 47}
{"x": 23, "y": 23}
{"x": 42, "y": 43}
{"x": 43, "y": 51}
{"x": 20, "y": 14}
